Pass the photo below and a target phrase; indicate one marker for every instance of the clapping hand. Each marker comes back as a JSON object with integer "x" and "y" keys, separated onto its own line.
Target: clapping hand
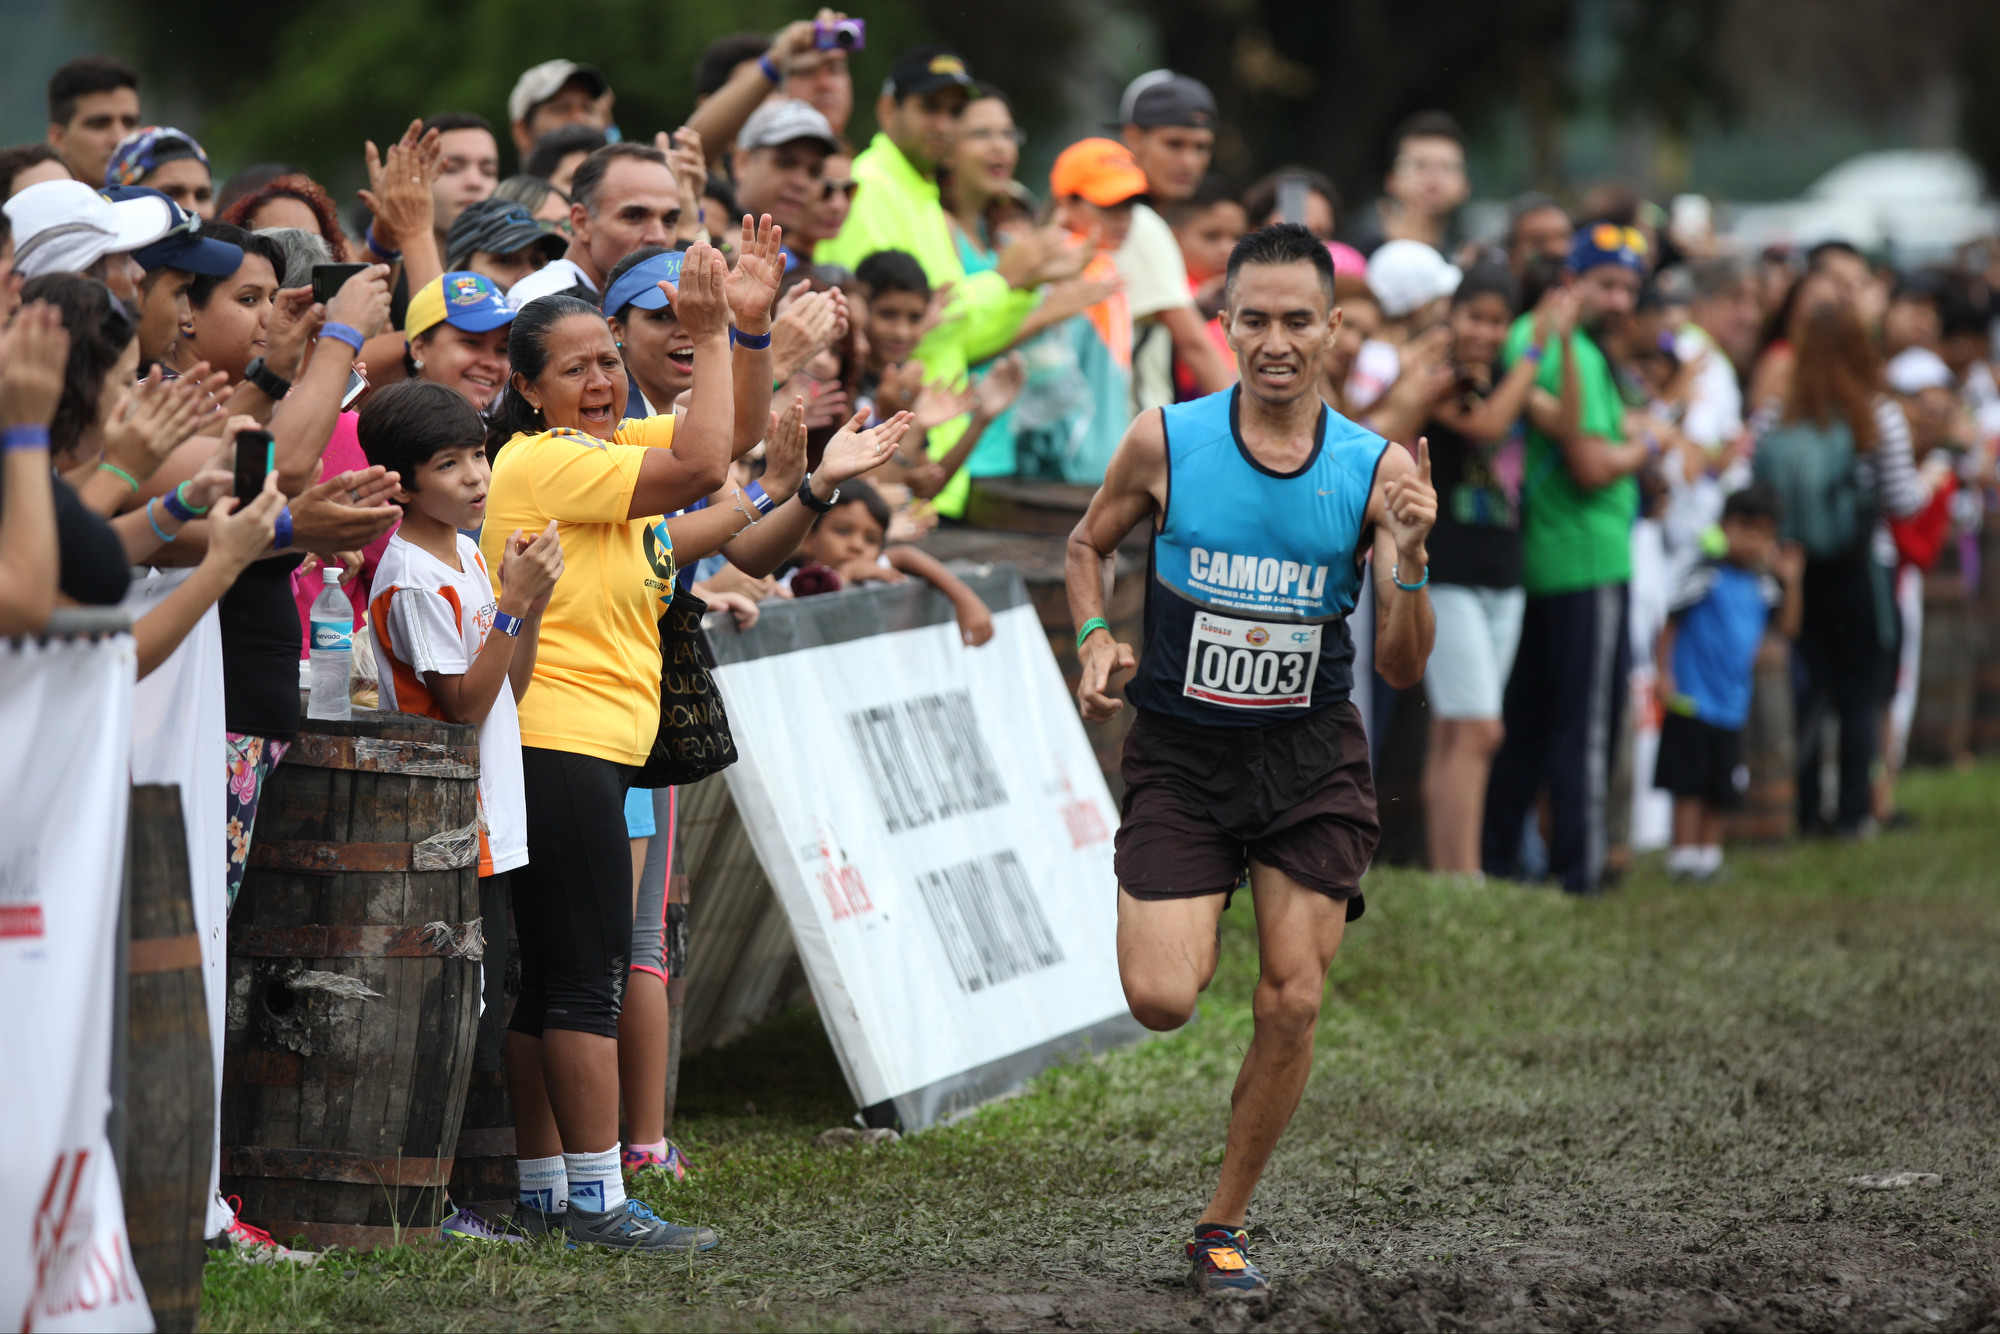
{"x": 994, "y": 392}
{"x": 529, "y": 570}
{"x": 699, "y": 299}
{"x": 785, "y": 449}
{"x": 36, "y": 357}
{"x": 807, "y": 327}
{"x": 400, "y": 186}
{"x": 153, "y": 417}
{"x": 853, "y": 451}
{"x": 760, "y": 266}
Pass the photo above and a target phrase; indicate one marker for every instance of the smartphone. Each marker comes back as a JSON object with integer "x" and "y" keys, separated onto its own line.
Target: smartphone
{"x": 330, "y": 278}
{"x": 1292, "y": 196}
{"x": 840, "y": 35}
{"x": 356, "y": 382}
{"x": 256, "y": 455}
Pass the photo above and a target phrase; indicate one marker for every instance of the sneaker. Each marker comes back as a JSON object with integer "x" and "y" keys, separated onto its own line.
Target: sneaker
{"x": 465, "y": 1225}
{"x": 258, "y": 1246}
{"x": 634, "y": 1227}
{"x": 1220, "y": 1266}
{"x": 537, "y": 1225}
{"x": 640, "y": 1162}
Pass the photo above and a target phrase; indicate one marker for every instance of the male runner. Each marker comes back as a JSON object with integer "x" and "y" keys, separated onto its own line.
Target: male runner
{"x": 1263, "y": 502}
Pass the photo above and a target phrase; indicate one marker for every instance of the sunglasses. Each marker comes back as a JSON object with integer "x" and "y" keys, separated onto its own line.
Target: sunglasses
{"x": 828, "y": 189}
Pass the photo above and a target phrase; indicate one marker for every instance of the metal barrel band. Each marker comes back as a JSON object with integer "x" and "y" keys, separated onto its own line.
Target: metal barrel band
{"x": 449, "y": 851}
{"x": 422, "y": 759}
{"x": 466, "y": 940}
{"x": 361, "y": 1169}
{"x": 163, "y": 954}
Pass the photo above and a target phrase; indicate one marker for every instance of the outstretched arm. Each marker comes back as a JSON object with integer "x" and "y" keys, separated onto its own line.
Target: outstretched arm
{"x": 1134, "y": 488}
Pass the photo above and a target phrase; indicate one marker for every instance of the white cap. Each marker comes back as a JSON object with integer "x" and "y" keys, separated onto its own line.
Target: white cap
{"x": 1406, "y": 275}
{"x": 65, "y": 226}
{"x": 1916, "y": 369}
{"x": 541, "y": 82}
{"x": 786, "y": 120}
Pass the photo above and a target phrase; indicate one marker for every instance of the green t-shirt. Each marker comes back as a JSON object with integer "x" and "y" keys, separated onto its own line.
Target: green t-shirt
{"x": 1572, "y": 538}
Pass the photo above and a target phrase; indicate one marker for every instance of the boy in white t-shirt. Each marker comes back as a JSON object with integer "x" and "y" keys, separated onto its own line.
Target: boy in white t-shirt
{"x": 445, "y": 646}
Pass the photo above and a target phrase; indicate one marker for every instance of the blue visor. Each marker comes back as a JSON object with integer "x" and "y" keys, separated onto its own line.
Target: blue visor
{"x": 640, "y": 285}
{"x": 183, "y": 248}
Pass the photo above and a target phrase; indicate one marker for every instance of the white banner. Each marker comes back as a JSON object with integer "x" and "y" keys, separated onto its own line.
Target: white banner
{"x": 935, "y": 824}
{"x": 66, "y": 717}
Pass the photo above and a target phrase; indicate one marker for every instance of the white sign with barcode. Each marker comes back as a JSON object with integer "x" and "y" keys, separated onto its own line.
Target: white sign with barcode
{"x": 1251, "y": 664}
{"x": 934, "y": 822}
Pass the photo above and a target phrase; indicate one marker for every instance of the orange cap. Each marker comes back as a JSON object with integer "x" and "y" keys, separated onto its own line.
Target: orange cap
{"x": 1100, "y": 170}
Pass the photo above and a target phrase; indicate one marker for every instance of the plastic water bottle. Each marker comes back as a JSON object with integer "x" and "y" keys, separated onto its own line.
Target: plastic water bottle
{"x": 332, "y": 618}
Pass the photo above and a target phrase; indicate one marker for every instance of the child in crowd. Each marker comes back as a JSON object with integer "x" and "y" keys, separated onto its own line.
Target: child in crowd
{"x": 1705, "y": 658}
{"x": 445, "y": 645}
{"x": 844, "y": 550}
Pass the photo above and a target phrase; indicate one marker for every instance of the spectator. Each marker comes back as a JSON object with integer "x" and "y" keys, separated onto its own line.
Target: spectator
{"x": 67, "y": 227}
{"x": 229, "y": 315}
{"x": 544, "y": 202}
{"x": 31, "y": 387}
{"x": 1915, "y": 317}
{"x": 1425, "y": 185}
{"x": 556, "y": 93}
{"x": 501, "y": 241}
{"x": 1839, "y": 457}
{"x": 557, "y": 154}
{"x": 1207, "y": 225}
{"x": 1565, "y": 699}
{"x": 1411, "y": 284}
{"x": 897, "y": 207}
{"x": 624, "y": 198}
{"x": 29, "y": 164}
{"x": 167, "y": 160}
{"x": 1965, "y": 325}
{"x": 779, "y": 162}
{"x": 1720, "y": 335}
{"x": 828, "y": 213}
{"x": 468, "y": 167}
{"x": 291, "y": 201}
{"x": 1168, "y": 121}
{"x": 738, "y": 72}
{"x": 93, "y": 104}
{"x": 1706, "y": 656}
{"x": 1321, "y": 209}
{"x": 457, "y": 332}
{"x": 1475, "y": 550}
{"x": 1854, "y": 280}
{"x": 1771, "y": 379}
{"x": 1537, "y": 227}
{"x": 845, "y": 550}
{"x": 171, "y": 264}
{"x": 1360, "y": 320}
{"x": 251, "y": 178}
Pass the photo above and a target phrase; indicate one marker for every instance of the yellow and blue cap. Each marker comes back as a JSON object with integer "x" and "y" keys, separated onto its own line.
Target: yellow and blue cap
{"x": 468, "y": 301}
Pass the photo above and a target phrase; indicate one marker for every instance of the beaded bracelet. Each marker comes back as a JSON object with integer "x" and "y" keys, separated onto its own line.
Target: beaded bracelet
{"x": 760, "y": 498}
{"x": 120, "y": 474}
{"x": 342, "y": 333}
{"x": 28, "y": 435}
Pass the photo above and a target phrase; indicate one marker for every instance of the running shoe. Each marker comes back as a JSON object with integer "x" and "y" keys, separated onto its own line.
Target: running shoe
{"x": 642, "y": 1162}
{"x": 465, "y": 1225}
{"x": 256, "y": 1245}
{"x": 537, "y": 1225}
{"x": 1222, "y": 1268}
{"x": 634, "y": 1227}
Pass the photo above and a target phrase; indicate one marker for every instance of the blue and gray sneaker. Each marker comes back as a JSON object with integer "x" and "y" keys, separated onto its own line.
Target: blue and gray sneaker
{"x": 465, "y": 1225}
{"x": 537, "y": 1225}
{"x": 634, "y": 1227}
{"x": 1222, "y": 1268}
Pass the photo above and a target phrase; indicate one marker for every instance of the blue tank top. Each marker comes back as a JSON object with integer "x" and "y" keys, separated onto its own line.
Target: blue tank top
{"x": 1253, "y": 572}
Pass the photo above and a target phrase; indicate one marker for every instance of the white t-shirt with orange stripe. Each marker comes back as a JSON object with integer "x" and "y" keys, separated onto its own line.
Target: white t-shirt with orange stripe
{"x": 428, "y": 617}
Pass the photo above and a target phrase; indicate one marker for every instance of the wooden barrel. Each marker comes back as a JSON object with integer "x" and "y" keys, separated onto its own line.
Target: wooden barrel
{"x": 1986, "y": 632}
{"x": 1941, "y": 732}
{"x": 170, "y": 1074}
{"x": 354, "y": 953}
{"x": 483, "y": 1169}
{"x": 1770, "y": 809}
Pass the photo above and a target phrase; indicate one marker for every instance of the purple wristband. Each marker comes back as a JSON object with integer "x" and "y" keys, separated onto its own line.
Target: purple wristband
{"x": 769, "y": 68}
{"x": 754, "y": 342}
{"x": 176, "y": 506}
{"x": 390, "y": 255}
{"x": 28, "y": 435}
{"x": 1532, "y": 354}
{"x": 344, "y": 333}
{"x": 281, "y": 536}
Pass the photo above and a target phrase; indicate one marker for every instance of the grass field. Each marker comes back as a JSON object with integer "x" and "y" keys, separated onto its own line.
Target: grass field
{"x": 1528, "y": 1112}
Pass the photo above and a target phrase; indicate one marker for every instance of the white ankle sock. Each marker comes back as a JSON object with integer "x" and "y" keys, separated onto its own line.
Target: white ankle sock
{"x": 596, "y": 1184}
{"x": 1684, "y": 859}
{"x": 544, "y": 1184}
{"x": 1711, "y": 859}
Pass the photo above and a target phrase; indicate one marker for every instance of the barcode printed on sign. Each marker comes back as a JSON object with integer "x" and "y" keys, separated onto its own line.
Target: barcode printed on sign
{"x": 988, "y": 920}
{"x": 926, "y": 759}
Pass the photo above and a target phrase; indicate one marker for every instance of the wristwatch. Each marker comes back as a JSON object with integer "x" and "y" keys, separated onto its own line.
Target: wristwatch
{"x": 507, "y": 625}
{"x": 813, "y": 502}
{"x": 274, "y": 385}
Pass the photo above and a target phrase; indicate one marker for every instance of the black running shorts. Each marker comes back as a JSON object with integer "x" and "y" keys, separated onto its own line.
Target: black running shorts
{"x": 1698, "y": 759}
{"x": 1202, "y": 802}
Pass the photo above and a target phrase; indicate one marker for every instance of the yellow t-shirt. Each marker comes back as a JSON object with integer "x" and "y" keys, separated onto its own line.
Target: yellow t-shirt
{"x": 596, "y": 687}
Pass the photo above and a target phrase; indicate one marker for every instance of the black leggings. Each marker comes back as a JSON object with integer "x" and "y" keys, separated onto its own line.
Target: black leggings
{"x": 1841, "y": 649}
{"x": 573, "y": 900}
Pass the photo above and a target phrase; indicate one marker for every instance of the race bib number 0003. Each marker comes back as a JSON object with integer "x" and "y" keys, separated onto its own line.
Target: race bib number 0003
{"x": 1251, "y": 664}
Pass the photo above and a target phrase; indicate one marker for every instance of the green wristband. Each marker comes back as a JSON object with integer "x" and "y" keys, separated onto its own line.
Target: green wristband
{"x": 120, "y": 474}
{"x": 1094, "y": 623}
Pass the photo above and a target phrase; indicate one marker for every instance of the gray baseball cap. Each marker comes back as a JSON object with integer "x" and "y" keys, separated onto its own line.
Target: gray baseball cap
{"x": 785, "y": 122}
{"x": 1163, "y": 97}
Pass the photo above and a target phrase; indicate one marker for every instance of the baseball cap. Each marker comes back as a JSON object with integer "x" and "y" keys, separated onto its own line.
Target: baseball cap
{"x": 784, "y": 122}
{"x": 1602, "y": 243}
{"x": 65, "y": 226}
{"x": 1100, "y": 171}
{"x": 147, "y": 148}
{"x": 1163, "y": 97}
{"x": 499, "y": 227}
{"x": 467, "y": 301}
{"x": 1916, "y": 369}
{"x": 541, "y": 82}
{"x": 640, "y": 285}
{"x": 1405, "y": 275}
{"x": 924, "y": 69}
{"x": 183, "y": 247}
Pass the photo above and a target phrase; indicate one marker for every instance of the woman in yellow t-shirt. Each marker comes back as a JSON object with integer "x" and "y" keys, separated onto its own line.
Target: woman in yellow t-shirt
{"x": 589, "y": 716}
